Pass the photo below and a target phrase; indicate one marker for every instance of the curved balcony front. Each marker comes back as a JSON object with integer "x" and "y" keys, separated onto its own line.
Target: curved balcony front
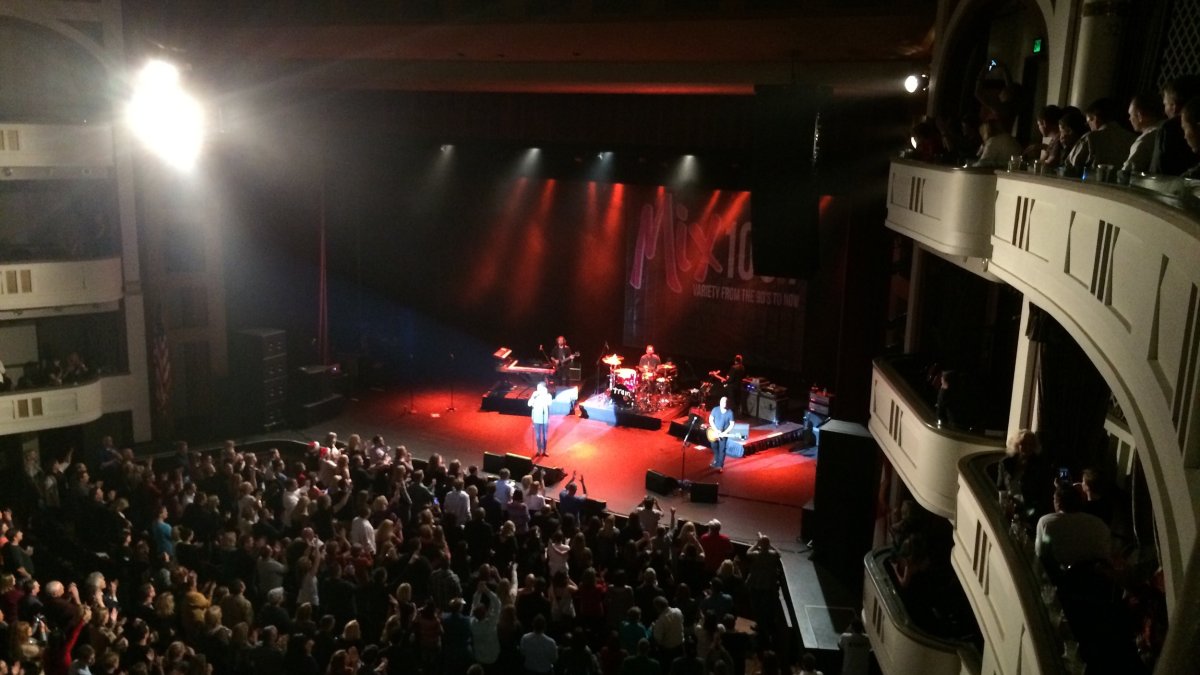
{"x": 949, "y": 210}
{"x": 36, "y": 285}
{"x": 900, "y": 646}
{"x": 1119, "y": 268}
{"x": 924, "y": 454}
{"x": 68, "y": 405}
{"x": 996, "y": 572}
{"x": 47, "y": 151}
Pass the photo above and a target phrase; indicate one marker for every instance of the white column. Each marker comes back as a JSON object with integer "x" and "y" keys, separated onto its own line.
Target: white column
{"x": 1022, "y": 408}
{"x": 1097, "y": 53}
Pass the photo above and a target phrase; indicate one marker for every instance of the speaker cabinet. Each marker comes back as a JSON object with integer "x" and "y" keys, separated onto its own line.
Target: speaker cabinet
{"x": 844, "y": 497}
{"x": 704, "y": 493}
{"x": 784, "y": 196}
{"x": 662, "y": 484}
{"x": 550, "y": 474}
{"x": 593, "y": 507}
{"x": 492, "y": 463}
{"x": 258, "y": 365}
{"x": 518, "y": 466}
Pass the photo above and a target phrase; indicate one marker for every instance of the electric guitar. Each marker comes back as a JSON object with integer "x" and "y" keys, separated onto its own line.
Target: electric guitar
{"x": 559, "y": 362}
{"x": 717, "y": 374}
{"x": 713, "y": 435}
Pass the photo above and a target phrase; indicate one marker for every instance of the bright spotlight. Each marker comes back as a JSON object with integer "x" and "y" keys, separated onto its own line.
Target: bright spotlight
{"x": 168, "y": 120}
{"x": 912, "y": 83}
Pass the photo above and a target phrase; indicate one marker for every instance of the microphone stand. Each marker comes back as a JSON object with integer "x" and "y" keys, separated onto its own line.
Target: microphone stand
{"x": 683, "y": 447}
{"x": 451, "y": 408}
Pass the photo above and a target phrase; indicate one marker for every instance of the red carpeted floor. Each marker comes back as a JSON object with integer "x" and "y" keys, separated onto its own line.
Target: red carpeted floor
{"x": 759, "y": 493}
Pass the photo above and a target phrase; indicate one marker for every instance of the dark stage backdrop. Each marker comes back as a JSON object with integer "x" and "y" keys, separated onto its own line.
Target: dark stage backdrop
{"x": 516, "y": 259}
{"x": 690, "y": 286}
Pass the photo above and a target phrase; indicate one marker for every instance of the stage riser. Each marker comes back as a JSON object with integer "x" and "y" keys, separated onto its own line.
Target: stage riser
{"x": 516, "y": 402}
{"x": 787, "y": 433}
{"x": 605, "y": 412}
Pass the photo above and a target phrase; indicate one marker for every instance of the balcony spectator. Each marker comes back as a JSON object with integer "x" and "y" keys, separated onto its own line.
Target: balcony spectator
{"x": 927, "y": 142}
{"x": 1146, "y": 117}
{"x": 1071, "y": 128}
{"x": 1190, "y": 120}
{"x": 998, "y": 104}
{"x": 1069, "y": 536}
{"x": 998, "y": 145}
{"x": 961, "y": 140}
{"x": 1106, "y": 142}
{"x": 1023, "y": 475}
{"x": 1172, "y": 153}
{"x": 6, "y": 383}
{"x": 1048, "y": 149}
{"x": 75, "y": 370}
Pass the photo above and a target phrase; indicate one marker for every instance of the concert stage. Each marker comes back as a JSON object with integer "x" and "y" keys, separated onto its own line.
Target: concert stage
{"x": 762, "y": 435}
{"x": 513, "y": 399}
{"x": 598, "y": 407}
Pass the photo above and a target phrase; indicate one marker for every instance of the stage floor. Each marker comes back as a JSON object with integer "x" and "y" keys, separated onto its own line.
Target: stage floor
{"x": 762, "y": 492}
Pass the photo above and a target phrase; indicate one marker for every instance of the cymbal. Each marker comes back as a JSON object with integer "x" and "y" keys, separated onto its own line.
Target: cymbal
{"x": 612, "y": 360}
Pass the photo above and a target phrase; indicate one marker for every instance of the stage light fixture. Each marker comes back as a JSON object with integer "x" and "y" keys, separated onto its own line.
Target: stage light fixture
{"x": 446, "y": 147}
{"x": 164, "y": 117}
{"x": 915, "y": 83}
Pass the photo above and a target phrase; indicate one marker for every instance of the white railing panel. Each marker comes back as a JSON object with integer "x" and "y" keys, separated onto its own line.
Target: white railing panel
{"x": 55, "y": 145}
{"x": 923, "y": 454}
{"x": 1120, "y": 270}
{"x": 945, "y": 208}
{"x": 59, "y": 284}
{"x": 51, "y": 408}
{"x": 899, "y": 646}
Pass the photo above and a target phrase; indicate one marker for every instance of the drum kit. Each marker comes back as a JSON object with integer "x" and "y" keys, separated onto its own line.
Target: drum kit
{"x": 643, "y": 389}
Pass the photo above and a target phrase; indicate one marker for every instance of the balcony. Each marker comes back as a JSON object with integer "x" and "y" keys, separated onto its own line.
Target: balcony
{"x": 37, "y": 409}
{"x": 901, "y": 646}
{"x": 1016, "y": 611}
{"x": 1119, "y": 268}
{"x": 49, "y": 151}
{"x": 925, "y": 455}
{"x": 37, "y": 285}
{"x": 949, "y": 210}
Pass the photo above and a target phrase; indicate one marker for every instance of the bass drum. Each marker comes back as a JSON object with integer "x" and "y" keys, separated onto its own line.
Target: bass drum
{"x": 621, "y": 396}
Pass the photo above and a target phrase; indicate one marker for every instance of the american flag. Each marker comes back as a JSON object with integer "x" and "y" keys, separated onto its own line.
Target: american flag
{"x": 161, "y": 356}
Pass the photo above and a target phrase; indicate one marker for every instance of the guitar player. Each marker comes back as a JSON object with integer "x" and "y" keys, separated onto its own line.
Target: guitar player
{"x": 732, "y": 382}
{"x": 562, "y": 356}
{"x": 720, "y": 421}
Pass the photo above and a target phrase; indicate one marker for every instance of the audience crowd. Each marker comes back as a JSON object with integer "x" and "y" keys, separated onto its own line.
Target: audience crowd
{"x": 355, "y": 557}
{"x": 1109, "y": 140}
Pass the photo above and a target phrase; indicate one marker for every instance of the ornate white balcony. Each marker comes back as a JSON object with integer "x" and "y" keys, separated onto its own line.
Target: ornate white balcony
{"x": 50, "y": 408}
{"x": 36, "y": 285}
{"x": 31, "y": 151}
{"x": 996, "y": 572}
{"x": 925, "y": 455}
{"x": 947, "y": 209}
{"x": 1120, "y": 270}
{"x": 900, "y": 646}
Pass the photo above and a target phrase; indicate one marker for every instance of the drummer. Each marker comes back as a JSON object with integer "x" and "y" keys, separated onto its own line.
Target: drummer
{"x": 649, "y": 362}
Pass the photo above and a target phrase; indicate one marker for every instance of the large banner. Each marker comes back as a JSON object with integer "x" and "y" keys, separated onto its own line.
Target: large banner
{"x": 690, "y": 287}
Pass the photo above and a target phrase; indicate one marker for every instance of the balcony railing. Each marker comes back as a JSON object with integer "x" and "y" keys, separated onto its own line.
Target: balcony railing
{"x": 1022, "y": 625}
{"x": 900, "y": 646}
{"x": 1119, "y": 268}
{"x": 923, "y": 453}
{"x": 50, "y": 408}
{"x": 948, "y": 209}
{"x": 59, "y": 284}
{"x": 31, "y": 151}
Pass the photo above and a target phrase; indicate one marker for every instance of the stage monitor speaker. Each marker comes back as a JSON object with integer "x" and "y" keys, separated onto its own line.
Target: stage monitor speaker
{"x": 420, "y": 464}
{"x": 593, "y": 507}
{"x": 662, "y": 484}
{"x": 312, "y": 384}
{"x": 492, "y": 463}
{"x": 845, "y": 493}
{"x": 518, "y": 466}
{"x": 550, "y": 474}
{"x": 784, "y": 197}
{"x": 704, "y": 493}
